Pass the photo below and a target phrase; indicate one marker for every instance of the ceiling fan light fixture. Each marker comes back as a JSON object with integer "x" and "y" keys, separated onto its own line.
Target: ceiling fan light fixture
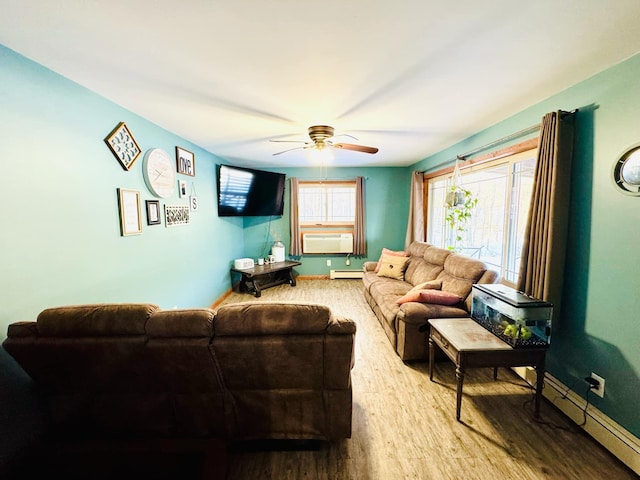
{"x": 320, "y": 154}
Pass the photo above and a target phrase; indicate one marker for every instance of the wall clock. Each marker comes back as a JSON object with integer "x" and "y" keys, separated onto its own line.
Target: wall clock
{"x": 626, "y": 172}
{"x": 159, "y": 172}
{"x": 123, "y": 145}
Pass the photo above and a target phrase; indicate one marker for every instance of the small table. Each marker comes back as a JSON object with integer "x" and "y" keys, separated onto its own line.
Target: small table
{"x": 469, "y": 344}
{"x": 256, "y": 278}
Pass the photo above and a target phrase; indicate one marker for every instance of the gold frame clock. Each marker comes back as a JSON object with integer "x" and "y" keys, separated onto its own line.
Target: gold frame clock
{"x": 123, "y": 145}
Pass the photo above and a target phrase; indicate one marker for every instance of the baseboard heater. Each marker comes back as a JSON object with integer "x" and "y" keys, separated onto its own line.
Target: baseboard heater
{"x": 336, "y": 274}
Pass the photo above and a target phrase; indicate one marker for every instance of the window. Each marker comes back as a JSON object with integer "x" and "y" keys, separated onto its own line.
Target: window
{"x": 327, "y": 204}
{"x": 495, "y": 231}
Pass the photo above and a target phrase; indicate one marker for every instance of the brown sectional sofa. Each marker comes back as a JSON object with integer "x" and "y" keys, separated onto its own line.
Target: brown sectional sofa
{"x": 426, "y": 262}
{"x": 259, "y": 370}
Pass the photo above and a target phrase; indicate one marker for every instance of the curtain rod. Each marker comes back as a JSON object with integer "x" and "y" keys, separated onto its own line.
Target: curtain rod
{"x": 521, "y": 133}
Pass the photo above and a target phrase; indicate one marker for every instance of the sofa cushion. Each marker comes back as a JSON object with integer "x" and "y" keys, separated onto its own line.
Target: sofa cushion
{"x": 430, "y": 285}
{"x": 393, "y": 266}
{"x": 386, "y": 251}
{"x": 410, "y": 296}
{"x": 426, "y": 267}
{"x": 271, "y": 318}
{"x": 95, "y": 320}
{"x": 439, "y": 297}
{"x": 191, "y": 322}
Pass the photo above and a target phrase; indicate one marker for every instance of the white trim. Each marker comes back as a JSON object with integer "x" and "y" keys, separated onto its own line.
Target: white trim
{"x": 619, "y": 441}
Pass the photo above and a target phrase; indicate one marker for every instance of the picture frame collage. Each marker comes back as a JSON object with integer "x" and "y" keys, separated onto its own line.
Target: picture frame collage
{"x": 126, "y": 149}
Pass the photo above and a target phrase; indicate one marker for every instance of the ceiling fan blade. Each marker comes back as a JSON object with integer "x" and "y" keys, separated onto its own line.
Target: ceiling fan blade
{"x": 288, "y": 141}
{"x": 291, "y": 149}
{"x": 356, "y": 148}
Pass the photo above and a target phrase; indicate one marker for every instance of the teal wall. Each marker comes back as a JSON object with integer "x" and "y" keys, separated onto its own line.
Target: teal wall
{"x": 386, "y": 213}
{"x": 60, "y": 240}
{"x": 599, "y": 329}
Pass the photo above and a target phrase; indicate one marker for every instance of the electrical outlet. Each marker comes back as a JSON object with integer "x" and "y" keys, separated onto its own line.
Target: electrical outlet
{"x": 328, "y": 263}
{"x": 599, "y": 390}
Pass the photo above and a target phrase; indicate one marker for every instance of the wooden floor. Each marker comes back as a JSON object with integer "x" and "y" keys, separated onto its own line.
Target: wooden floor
{"x": 404, "y": 425}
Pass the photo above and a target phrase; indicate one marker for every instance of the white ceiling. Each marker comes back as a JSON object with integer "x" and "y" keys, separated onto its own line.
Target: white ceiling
{"x": 410, "y": 77}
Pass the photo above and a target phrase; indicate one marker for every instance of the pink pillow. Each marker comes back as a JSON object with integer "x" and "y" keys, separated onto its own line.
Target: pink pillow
{"x": 386, "y": 251}
{"x": 439, "y": 297}
{"x": 410, "y": 296}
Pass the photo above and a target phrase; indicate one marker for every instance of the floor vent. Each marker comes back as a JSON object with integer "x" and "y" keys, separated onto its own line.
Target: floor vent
{"x": 335, "y": 274}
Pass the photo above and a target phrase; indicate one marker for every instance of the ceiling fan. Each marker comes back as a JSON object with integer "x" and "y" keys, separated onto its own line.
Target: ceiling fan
{"x": 321, "y": 138}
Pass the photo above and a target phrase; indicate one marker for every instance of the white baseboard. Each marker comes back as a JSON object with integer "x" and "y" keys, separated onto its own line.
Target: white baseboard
{"x": 620, "y": 442}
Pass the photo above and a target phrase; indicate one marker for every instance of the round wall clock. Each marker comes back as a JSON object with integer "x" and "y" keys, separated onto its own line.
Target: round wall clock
{"x": 159, "y": 172}
{"x": 626, "y": 172}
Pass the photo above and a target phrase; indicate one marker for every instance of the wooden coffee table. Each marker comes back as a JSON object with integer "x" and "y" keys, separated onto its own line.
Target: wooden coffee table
{"x": 259, "y": 277}
{"x": 468, "y": 344}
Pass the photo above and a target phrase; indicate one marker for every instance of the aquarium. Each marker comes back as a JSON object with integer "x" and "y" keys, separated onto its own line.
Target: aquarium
{"x": 518, "y": 319}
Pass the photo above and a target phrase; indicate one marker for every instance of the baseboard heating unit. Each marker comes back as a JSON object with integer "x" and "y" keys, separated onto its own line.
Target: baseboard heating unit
{"x": 336, "y": 274}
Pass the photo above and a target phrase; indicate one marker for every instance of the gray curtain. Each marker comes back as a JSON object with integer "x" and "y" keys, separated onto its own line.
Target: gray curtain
{"x": 295, "y": 247}
{"x": 359, "y": 234}
{"x": 543, "y": 251}
{"x": 416, "y": 226}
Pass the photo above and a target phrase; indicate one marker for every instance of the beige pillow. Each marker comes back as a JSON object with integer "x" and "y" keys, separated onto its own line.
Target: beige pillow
{"x": 393, "y": 266}
{"x": 430, "y": 285}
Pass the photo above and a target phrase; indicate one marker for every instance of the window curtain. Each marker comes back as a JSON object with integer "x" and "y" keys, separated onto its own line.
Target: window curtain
{"x": 543, "y": 251}
{"x": 359, "y": 236}
{"x": 295, "y": 247}
{"x": 415, "y": 228}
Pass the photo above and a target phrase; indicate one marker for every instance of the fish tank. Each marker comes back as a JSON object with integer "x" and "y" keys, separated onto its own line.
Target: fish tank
{"x": 514, "y": 317}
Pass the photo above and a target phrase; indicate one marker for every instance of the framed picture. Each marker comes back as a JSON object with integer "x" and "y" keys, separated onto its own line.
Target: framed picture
{"x": 123, "y": 145}
{"x": 182, "y": 188}
{"x": 129, "y": 206}
{"x": 176, "y": 215}
{"x": 185, "y": 161}
{"x": 153, "y": 212}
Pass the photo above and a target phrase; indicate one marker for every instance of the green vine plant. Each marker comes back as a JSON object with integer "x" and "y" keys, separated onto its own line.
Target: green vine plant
{"x": 460, "y": 203}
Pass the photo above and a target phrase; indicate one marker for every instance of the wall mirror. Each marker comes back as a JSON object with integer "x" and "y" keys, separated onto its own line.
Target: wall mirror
{"x": 626, "y": 172}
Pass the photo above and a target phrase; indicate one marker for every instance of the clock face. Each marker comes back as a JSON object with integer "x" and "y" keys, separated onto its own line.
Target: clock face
{"x": 159, "y": 172}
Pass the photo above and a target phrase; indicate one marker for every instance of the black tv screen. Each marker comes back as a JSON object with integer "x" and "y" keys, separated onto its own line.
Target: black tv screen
{"x": 245, "y": 192}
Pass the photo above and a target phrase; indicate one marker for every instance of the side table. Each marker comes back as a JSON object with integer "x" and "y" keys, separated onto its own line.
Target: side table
{"x": 468, "y": 344}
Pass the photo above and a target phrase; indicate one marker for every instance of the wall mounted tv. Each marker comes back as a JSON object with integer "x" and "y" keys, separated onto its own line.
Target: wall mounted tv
{"x": 245, "y": 192}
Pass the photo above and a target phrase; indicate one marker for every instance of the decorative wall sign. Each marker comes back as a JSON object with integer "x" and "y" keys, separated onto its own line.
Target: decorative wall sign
{"x": 193, "y": 203}
{"x": 185, "y": 161}
{"x": 153, "y": 212}
{"x": 129, "y": 206}
{"x": 123, "y": 145}
{"x": 175, "y": 215}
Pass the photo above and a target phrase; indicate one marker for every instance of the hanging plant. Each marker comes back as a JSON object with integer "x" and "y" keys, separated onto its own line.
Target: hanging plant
{"x": 459, "y": 203}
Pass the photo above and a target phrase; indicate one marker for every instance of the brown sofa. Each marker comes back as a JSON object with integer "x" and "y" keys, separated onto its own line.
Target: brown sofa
{"x": 259, "y": 370}
{"x": 402, "y": 323}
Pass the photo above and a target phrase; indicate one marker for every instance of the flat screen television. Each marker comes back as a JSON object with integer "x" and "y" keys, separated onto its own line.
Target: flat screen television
{"x": 246, "y": 192}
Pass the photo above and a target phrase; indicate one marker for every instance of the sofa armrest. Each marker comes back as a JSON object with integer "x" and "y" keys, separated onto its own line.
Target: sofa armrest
{"x": 419, "y": 313}
{"x": 339, "y": 325}
{"x": 369, "y": 266}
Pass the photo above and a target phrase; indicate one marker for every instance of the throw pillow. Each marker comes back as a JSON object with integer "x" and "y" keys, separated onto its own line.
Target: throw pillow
{"x": 386, "y": 251}
{"x": 430, "y": 285}
{"x": 393, "y": 266}
{"x": 410, "y": 296}
{"x": 439, "y": 297}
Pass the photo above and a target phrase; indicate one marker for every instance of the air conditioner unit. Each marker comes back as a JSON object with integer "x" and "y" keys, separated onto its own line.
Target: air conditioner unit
{"x": 327, "y": 243}
{"x": 336, "y": 274}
